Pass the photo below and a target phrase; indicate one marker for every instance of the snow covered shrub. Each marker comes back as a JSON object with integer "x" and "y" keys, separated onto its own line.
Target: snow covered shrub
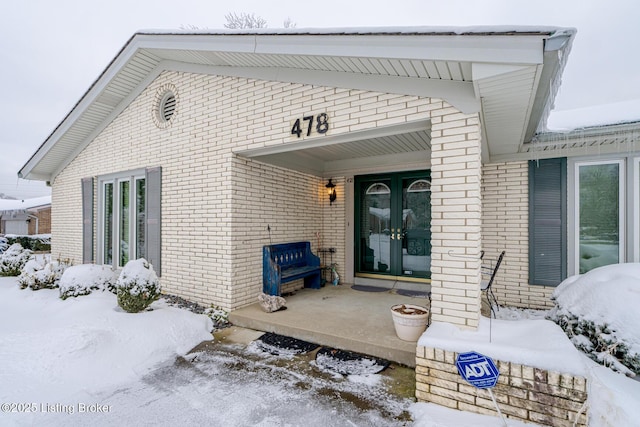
{"x": 138, "y": 286}
{"x": 36, "y": 243}
{"x": 40, "y": 273}
{"x": 13, "y": 260}
{"x": 598, "y": 312}
{"x": 86, "y": 278}
{"x": 219, "y": 316}
{"x": 4, "y": 244}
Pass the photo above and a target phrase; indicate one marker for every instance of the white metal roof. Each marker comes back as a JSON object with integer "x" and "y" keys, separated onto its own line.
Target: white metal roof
{"x": 508, "y": 74}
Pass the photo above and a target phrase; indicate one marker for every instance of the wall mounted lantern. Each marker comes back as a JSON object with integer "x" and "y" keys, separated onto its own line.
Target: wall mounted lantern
{"x": 331, "y": 191}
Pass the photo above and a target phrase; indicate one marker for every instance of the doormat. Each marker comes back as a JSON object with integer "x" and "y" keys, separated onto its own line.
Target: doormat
{"x": 410, "y": 293}
{"x": 280, "y": 345}
{"x": 365, "y": 288}
{"x": 349, "y": 363}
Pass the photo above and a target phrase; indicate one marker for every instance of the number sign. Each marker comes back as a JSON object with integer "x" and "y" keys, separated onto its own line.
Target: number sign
{"x": 309, "y": 124}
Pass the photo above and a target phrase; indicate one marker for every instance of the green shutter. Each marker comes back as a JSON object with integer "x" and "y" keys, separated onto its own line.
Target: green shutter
{"x": 547, "y": 221}
{"x": 87, "y": 221}
{"x": 153, "y": 217}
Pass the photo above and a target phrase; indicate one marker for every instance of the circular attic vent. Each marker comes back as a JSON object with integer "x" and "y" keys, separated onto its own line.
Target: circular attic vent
{"x": 167, "y": 106}
{"x": 164, "y": 110}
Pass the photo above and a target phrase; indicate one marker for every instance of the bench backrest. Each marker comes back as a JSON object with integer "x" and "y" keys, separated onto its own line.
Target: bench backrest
{"x": 291, "y": 255}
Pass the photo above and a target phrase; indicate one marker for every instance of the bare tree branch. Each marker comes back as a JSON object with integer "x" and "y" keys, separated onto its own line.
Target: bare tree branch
{"x": 288, "y": 23}
{"x": 244, "y": 20}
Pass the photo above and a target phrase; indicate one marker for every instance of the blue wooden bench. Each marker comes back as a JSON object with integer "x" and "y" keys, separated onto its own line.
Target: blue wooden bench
{"x": 286, "y": 262}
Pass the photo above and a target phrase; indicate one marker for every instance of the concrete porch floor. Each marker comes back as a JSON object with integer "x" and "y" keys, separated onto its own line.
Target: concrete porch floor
{"x": 338, "y": 317}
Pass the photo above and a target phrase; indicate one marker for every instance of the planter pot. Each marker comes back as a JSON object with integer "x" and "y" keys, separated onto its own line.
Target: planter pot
{"x": 409, "y": 320}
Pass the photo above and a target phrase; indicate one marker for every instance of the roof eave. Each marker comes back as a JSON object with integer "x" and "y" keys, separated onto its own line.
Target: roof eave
{"x": 466, "y": 45}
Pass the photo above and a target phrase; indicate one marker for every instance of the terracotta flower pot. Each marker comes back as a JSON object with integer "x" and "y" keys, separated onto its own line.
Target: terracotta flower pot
{"x": 409, "y": 320}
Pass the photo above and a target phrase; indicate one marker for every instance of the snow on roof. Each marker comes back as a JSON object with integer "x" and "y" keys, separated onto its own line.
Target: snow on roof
{"x": 390, "y": 30}
{"x": 14, "y": 205}
{"x": 594, "y": 116}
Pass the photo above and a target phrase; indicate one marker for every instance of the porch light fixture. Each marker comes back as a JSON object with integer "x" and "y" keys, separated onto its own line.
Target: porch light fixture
{"x": 331, "y": 191}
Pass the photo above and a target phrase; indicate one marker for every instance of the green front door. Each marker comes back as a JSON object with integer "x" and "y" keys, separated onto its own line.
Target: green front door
{"x": 393, "y": 226}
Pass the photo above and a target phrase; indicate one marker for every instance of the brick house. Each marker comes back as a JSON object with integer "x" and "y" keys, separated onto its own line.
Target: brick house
{"x": 194, "y": 150}
{"x": 25, "y": 217}
{"x": 189, "y": 145}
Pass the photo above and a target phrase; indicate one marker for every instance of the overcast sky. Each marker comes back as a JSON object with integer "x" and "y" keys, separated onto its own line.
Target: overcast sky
{"x": 53, "y": 50}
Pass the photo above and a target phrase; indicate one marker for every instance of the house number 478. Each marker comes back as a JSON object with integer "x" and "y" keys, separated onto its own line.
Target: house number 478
{"x": 321, "y": 122}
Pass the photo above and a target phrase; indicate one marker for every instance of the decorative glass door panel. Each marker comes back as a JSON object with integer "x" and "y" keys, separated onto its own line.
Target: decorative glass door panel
{"x": 416, "y": 227}
{"x": 393, "y": 225}
{"x": 375, "y": 226}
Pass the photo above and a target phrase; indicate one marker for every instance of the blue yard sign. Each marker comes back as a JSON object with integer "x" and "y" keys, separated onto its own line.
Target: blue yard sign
{"x": 480, "y": 371}
{"x": 477, "y": 369}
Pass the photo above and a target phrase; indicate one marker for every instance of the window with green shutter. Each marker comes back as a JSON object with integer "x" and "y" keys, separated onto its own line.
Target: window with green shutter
{"x": 129, "y": 217}
{"x": 547, "y": 221}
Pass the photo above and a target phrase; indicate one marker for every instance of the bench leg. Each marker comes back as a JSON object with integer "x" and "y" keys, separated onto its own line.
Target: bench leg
{"x": 312, "y": 282}
{"x": 271, "y": 283}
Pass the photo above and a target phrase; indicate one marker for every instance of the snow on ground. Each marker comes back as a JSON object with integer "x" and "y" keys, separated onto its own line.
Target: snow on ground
{"x": 61, "y": 357}
{"x": 607, "y": 294}
{"x": 64, "y": 358}
{"x": 56, "y": 351}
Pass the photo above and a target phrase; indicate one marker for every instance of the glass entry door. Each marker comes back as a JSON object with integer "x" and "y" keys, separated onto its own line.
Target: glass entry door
{"x": 393, "y": 225}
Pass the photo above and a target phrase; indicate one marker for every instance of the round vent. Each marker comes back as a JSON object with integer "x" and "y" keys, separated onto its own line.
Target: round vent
{"x": 167, "y": 106}
{"x": 164, "y": 105}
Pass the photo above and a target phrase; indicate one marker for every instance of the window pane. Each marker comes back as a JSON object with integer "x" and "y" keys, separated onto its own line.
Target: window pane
{"x": 375, "y": 223}
{"x": 107, "y": 250}
{"x": 416, "y": 227}
{"x": 599, "y": 213}
{"x": 140, "y": 218}
{"x": 124, "y": 223}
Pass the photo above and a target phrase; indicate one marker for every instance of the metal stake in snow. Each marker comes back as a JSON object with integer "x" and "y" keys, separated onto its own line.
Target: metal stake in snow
{"x": 479, "y": 371}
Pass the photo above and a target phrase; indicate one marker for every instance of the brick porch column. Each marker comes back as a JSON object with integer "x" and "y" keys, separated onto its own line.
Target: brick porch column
{"x": 455, "y": 224}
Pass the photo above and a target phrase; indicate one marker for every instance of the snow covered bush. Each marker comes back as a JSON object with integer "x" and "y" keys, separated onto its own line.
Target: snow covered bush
{"x": 599, "y": 312}
{"x": 36, "y": 242}
{"x": 219, "y": 316}
{"x": 4, "y": 244}
{"x": 138, "y": 286}
{"x": 86, "y": 278}
{"x": 13, "y": 260}
{"x": 40, "y": 273}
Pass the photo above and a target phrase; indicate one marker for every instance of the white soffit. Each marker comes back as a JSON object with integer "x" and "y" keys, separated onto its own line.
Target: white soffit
{"x": 419, "y": 64}
{"x": 507, "y": 94}
{"x": 327, "y": 154}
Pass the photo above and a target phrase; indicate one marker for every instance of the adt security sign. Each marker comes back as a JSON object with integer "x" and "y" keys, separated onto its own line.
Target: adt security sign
{"x": 477, "y": 369}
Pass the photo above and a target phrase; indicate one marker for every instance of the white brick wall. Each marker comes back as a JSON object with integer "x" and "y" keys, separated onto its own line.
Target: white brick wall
{"x": 505, "y": 226}
{"x": 455, "y": 226}
{"x": 215, "y": 205}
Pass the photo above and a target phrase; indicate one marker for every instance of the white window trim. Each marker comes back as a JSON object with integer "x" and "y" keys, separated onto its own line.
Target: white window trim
{"x": 101, "y": 217}
{"x": 573, "y": 211}
{"x": 115, "y": 179}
